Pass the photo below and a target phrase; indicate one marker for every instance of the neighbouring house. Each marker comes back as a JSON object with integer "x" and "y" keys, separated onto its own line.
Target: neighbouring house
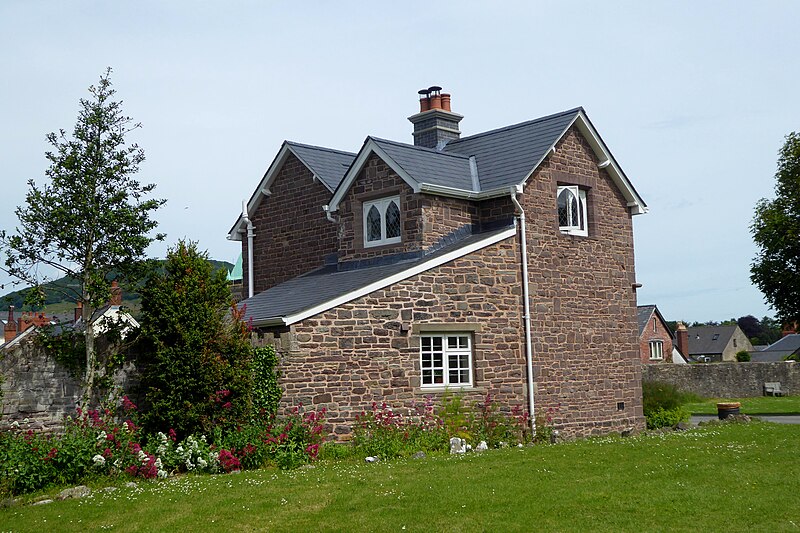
{"x": 498, "y": 263}
{"x": 716, "y": 343}
{"x": 113, "y": 314}
{"x": 780, "y": 350}
{"x": 15, "y": 329}
{"x": 655, "y": 336}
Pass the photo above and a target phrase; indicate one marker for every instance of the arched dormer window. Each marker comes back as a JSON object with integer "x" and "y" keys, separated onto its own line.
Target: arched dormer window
{"x": 382, "y": 221}
{"x": 572, "y": 210}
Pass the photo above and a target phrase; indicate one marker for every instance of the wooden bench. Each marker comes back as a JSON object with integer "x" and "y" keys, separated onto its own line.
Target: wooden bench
{"x": 773, "y": 388}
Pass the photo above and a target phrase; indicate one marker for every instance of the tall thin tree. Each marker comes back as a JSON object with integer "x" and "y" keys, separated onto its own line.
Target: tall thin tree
{"x": 90, "y": 219}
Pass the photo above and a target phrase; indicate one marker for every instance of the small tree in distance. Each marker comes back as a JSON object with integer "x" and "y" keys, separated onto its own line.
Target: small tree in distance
{"x": 91, "y": 218}
{"x": 776, "y": 232}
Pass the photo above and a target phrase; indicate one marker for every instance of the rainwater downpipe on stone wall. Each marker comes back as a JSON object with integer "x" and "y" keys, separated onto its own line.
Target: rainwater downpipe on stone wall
{"x": 250, "y": 236}
{"x": 520, "y": 212}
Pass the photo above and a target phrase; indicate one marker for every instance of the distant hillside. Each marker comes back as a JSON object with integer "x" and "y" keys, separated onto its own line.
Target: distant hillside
{"x": 57, "y": 303}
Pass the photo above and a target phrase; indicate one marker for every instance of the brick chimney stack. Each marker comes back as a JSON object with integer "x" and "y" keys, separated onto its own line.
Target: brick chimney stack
{"x": 116, "y": 294}
{"x": 78, "y": 311}
{"x": 435, "y": 124}
{"x": 10, "y": 329}
{"x": 682, "y": 337}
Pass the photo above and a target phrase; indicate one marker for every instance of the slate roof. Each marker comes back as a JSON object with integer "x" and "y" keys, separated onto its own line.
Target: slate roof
{"x": 328, "y": 283}
{"x": 327, "y": 164}
{"x": 426, "y": 165}
{"x": 505, "y": 156}
{"x": 709, "y": 339}
{"x": 643, "y": 313}
{"x": 779, "y": 350}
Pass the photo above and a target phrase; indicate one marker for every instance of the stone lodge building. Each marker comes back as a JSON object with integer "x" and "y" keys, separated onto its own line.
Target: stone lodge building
{"x": 500, "y": 263}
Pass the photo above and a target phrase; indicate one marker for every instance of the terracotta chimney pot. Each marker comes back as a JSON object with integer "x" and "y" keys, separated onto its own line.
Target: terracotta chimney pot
{"x": 446, "y": 102}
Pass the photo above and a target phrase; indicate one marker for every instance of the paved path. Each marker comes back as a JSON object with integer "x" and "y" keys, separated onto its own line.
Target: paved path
{"x": 780, "y": 419}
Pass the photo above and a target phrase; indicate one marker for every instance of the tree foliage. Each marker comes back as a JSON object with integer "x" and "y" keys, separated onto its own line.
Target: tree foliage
{"x": 776, "y": 232}
{"x": 90, "y": 217}
{"x": 195, "y": 354}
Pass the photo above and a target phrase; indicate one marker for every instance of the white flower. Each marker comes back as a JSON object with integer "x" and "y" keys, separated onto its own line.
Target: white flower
{"x": 99, "y": 460}
{"x": 101, "y": 435}
{"x": 202, "y": 463}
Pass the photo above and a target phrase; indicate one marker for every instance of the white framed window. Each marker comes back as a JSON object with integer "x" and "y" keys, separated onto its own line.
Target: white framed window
{"x": 446, "y": 360}
{"x": 572, "y": 210}
{"x": 656, "y": 350}
{"x": 382, "y": 221}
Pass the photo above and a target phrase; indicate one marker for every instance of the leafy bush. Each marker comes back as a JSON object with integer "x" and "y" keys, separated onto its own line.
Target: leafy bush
{"x": 487, "y": 423}
{"x": 195, "y": 353}
{"x": 656, "y": 394}
{"x": 387, "y": 433}
{"x": 743, "y": 356}
{"x": 662, "y": 404}
{"x": 93, "y": 445}
{"x": 384, "y": 433}
{"x": 266, "y": 391}
{"x": 661, "y": 418}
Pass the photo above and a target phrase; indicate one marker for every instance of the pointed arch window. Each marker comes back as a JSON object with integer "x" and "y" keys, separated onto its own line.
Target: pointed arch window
{"x": 572, "y": 210}
{"x": 382, "y": 221}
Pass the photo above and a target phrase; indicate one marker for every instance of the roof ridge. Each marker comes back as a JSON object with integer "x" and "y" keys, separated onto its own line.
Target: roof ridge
{"x": 514, "y": 126}
{"x": 315, "y": 147}
{"x": 420, "y": 148}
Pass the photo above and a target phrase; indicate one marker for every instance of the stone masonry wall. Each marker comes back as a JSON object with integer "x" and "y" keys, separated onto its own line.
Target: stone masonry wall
{"x": 648, "y": 335}
{"x": 424, "y": 218}
{"x": 727, "y": 380}
{"x": 586, "y": 353}
{"x": 348, "y": 357}
{"x": 378, "y": 180}
{"x": 38, "y": 389}
{"x": 292, "y": 233}
{"x": 442, "y": 216}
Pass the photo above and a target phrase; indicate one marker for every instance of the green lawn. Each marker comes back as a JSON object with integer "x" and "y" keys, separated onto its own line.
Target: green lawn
{"x": 762, "y": 405}
{"x": 715, "y": 478}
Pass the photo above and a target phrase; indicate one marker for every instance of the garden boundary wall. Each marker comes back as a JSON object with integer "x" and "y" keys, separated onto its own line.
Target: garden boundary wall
{"x": 727, "y": 380}
{"x": 38, "y": 392}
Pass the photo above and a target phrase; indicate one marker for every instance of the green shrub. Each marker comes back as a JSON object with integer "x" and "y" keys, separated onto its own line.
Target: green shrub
{"x": 656, "y": 394}
{"x": 743, "y": 356}
{"x": 266, "y": 391}
{"x": 661, "y": 418}
{"x": 195, "y": 350}
{"x": 662, "y": 404}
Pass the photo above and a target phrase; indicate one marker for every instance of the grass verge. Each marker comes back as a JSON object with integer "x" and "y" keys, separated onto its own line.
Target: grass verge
{"x": 735, "y": 477}
{"x": 762, "y": 405}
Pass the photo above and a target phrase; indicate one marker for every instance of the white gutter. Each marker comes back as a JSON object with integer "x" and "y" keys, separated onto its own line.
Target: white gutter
{"x": 250, "y": 235}
{"x": 527, "y": 305}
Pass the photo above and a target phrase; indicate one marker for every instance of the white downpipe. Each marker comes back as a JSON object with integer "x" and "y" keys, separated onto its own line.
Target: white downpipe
{"x": 250, "y": 236}
{"x": 527, "y": 307}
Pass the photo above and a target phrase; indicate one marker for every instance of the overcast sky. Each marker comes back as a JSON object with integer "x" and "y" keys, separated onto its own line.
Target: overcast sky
{"x": 692, "y": 98}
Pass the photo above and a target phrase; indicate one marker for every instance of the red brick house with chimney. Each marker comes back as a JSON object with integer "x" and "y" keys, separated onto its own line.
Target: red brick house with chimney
{"x": 501, "y": 262}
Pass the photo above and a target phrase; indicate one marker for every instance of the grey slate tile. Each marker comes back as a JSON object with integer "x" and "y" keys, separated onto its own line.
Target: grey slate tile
{"x": 328, "y": 164}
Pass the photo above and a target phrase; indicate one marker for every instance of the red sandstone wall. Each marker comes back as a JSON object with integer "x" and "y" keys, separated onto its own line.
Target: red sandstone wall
{"x": 292, "y": 234}
{"x": 586, "y": 353}
{"x": 348, "y": 357}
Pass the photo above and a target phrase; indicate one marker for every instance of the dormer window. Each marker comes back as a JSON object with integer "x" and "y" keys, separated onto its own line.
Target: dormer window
{"x": 572, "y": 210}
{"x": 382, "y": 221}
